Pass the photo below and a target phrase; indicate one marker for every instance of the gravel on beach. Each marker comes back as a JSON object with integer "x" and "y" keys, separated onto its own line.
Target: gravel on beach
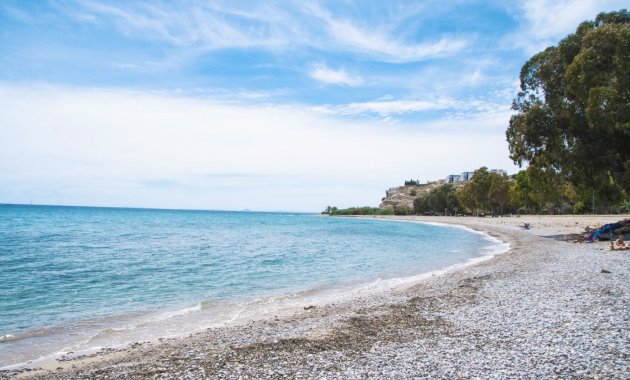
{"x": 545, "y": 309}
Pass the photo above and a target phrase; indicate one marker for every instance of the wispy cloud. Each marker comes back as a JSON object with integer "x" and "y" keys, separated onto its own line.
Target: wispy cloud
{"x": 217, "y": 25}
{"x": 211, "y": 25}
{"x": 545, "y": 22}
{"x": 386, "y": 108}
{"x": 378, "y": 42}
{"x": 323, "y": 73}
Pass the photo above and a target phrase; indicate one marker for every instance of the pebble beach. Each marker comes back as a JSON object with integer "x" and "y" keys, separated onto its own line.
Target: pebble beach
{"x": 547, "y": 308}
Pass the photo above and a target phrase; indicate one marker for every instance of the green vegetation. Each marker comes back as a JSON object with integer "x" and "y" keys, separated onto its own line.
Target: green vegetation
{"x": 441, "y": 200}
{"x": 530, "y": 191}
{"x": 487, "y": 192}
{"x": 573, "y": 120}
{"x": 534, "y": 191}
{"x": 357, "y": 211}
{"x": 545, "y": 191}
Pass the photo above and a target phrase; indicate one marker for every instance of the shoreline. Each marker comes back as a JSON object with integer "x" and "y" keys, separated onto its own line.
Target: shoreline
{"x": 429, "y": 327}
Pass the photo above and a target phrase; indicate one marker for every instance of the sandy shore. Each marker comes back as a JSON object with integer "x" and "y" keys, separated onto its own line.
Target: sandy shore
{"x": 545, "y": 309}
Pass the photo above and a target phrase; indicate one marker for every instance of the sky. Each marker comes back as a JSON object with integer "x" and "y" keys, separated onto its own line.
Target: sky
{"x": 259, "y": 105}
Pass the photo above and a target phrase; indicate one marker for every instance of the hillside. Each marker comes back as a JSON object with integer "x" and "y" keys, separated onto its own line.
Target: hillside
{"x": 403, "y": 196}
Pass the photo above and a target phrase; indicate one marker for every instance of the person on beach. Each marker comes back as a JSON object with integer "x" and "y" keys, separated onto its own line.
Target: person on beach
{"x": 620, "y": 243}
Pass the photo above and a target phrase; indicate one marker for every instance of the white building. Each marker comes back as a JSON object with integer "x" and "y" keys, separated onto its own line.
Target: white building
{"x": 499, "y": 171}
{"x": 467, "y": 176}
{"x": 454, "y": 178}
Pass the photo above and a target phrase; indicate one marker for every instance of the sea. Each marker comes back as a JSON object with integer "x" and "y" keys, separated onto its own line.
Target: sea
{"x": 80, "y": 279}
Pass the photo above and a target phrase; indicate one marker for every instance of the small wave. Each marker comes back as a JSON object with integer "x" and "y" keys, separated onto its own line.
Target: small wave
{"x": 7, "y": 338}
{"x": 105, "y": 333}
{"x": 159, "y": 317}
{"x": 28, "y": 334}
{"x": 164, "y": 316}
{"x": 176, "y": 313}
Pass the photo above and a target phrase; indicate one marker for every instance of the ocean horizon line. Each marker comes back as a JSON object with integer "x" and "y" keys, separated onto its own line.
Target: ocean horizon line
{"x": 244, "y": 210}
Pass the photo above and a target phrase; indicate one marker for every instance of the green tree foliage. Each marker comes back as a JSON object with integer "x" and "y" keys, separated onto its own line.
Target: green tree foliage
{"x": 357, "y": 211}
{"x": 537, "y": 190}
{"x": 485, "y": 192}
{"x": 480, "y": 186}
{"x": 466, "y": 197}
{"x": 421, "y": 205}
{"x": 541, "y": 190}
{"x": 546, "y": 188}
{"x": 498, "y": 193}
{"x": 574, "y": 107}
{"x": 439, "y": 200}
{"x": 520, "y": 193}
{"x": 402, "y": 210}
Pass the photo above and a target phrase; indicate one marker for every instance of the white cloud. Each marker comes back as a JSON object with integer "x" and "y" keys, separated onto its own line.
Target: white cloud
{"x": 322, "y": 73}
{"x": 269, "y": 25}
{"x": 545, "y": 22}
{"x": 211, "y": 25}
{"x": 118, "y": 148}
{"x": 387, "y": 107}
{"x": 475, "y": 78}
{"x": 378, "y": 42}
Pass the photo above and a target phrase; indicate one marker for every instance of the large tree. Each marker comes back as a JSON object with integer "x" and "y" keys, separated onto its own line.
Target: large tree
{"x": 440, "y": 199}
{"x": 498, "y": 193}
{"x": 574, "y": 106}
{"x": 486, "y": 191}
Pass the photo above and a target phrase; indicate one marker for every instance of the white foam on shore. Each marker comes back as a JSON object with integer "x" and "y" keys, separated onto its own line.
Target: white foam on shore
{"x": 123, "y": 331}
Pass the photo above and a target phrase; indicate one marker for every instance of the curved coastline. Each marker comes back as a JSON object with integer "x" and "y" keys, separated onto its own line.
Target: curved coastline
{"x": 546, "y": 308}
{"x": 489, "y": 233}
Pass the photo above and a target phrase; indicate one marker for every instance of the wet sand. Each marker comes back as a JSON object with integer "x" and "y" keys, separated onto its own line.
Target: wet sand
{"x": 545, "y": 309}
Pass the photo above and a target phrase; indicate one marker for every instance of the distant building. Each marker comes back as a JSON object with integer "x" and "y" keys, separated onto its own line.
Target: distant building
{"x": 467, "y": 176}
{"x": 454, "y": 178}
{"x": 499, "y": 172}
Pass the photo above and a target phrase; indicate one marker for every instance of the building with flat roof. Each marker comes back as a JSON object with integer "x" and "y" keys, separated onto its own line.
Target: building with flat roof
{"x": 467, "y": 176}
{"x": 454, "y": 178}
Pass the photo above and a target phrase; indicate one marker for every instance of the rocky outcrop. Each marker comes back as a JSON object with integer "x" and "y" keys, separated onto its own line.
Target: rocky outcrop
{"x": 403, "y": 196}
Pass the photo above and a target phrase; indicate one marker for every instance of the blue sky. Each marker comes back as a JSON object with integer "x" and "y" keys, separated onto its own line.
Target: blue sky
{"x": 263, "y": 105}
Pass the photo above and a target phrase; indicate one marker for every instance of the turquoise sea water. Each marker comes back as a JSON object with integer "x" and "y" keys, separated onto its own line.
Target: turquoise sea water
{"x": 76, "y": 278}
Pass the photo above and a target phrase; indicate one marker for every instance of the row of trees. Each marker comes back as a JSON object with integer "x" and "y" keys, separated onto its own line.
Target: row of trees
{"x": 358, "y": 211}
{"x": 530, "y": 191}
